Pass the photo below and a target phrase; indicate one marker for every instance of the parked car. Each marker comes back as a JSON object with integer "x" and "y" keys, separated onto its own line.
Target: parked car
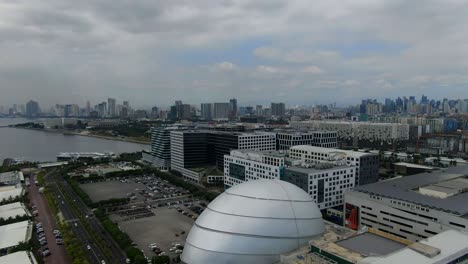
{"x": 46, "y": 253}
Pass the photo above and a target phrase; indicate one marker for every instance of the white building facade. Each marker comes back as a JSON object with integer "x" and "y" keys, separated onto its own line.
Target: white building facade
{"x": 325, "y": 183}
{"x": 241, "y": 166}
{"x": 325, "y": 139}
{"x": 367, "y": 164}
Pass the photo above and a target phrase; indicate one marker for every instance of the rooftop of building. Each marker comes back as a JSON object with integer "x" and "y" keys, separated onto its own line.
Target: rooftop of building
{"x": 271, "y": 153}
{"x": 11, "y": 177}
{"x": 10, "y": 191}
{"x": 339, "y": 245}
{"x": 415, "y": 166}
{"x": 12, "y": 234}
{"x": 350, "y": 122}
{"x": 20, "y": 257}
{"x": 448, "y": 244}
{"x": 316, "y": 168}
{"x": 301, "y": 132}
{"x": 12, "y": 210}
{"x": 407, "y": 189}
{"x": 235, "y": 133}
{"x": 332, "y": 150}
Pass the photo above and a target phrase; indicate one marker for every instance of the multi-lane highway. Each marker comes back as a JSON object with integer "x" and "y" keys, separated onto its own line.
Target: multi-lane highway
{"x": 77, "y": 214}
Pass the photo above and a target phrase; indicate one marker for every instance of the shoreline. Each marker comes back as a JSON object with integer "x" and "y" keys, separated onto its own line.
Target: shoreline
{"x": 65, "y": 132}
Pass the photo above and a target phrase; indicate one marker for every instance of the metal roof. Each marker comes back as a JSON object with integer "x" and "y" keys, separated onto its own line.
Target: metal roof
{"x": 452, "y": 245}
{"x": 369, "y": 244}
{"x": 405, "y": 189}
{"x": 253, "y": 222}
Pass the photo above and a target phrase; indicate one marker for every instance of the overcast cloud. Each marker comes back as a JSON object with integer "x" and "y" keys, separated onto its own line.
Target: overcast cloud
{"x": 154, "y": 52}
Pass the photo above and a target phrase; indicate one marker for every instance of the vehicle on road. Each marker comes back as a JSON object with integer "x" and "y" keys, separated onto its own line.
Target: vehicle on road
{"x": 46, "y": 253}
{"x": 88, "y": 247}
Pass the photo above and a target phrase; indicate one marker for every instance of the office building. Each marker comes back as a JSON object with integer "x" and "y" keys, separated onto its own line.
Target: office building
{"x": 325, "y": 182}
{"x": 259, "y": 110}
{"x": 220, "y": 111}
{"x": 32, "y": 109}
{"x": 160, "y": 155}
{"x": 246, "y": 165}
{"x": 111, "y": 107}
{"x": 413, "y": 207}
{"x": 195, "y": 149}
{"x": 102, "y": 109}
{"x": 288, "y": 138}
{"x": 233, "y": 109}
{"x": 367, "y": 164}
{"x": 361, "y": 134}
{"x": 253, "y": 222}
{"x": 278, "y": 109}
{"x": 207, "y": 111}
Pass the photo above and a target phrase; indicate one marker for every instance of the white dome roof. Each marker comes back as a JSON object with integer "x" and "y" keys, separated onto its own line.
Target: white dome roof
{"x": 253, "y": 222}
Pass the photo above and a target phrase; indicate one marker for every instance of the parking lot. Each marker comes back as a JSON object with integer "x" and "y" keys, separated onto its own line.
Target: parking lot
{"x": 105, "y": 190}
{"x": 158, "y": 213}
{"x": 164, "y": 228}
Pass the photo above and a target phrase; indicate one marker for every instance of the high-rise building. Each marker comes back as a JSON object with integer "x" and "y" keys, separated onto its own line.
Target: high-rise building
{"x": 221, "y": 111}
{"x": 111, "y": 107}
{"x": 88, "y": 108}
{"x": 278, "y": 109}
{"x": 71, "y": 110}
{"x": 160, "y": 156}
{"x": 259, "y": 110}
{"x": 207, "y": 111}
{"x": 102, "y": 109}
{"x": 233, "y": 109}
{"x": 192, "y": 149}
{"x": 32, "y": 109}
{"x": 154, "y": 112}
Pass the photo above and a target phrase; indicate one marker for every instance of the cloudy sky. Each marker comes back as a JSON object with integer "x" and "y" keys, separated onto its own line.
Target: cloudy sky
{"x": 301, "y": 52}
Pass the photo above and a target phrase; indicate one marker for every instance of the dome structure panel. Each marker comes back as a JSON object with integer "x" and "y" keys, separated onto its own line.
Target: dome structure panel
{"x": 253, "y": 222}
{"x": 205, "y": 256}
{"x": 238, "y": 205}
{"x": 270, "y": 190}
{"x": 257, "y": 226}
{"x": 242, "y": 244}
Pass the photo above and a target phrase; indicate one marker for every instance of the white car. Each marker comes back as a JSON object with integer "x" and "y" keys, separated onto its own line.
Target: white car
{"x": 88, "y": 247}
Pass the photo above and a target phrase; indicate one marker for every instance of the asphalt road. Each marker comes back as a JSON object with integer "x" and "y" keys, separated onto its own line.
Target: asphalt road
{"x": 58, "y": 253}
{"x": 61, "y": 189}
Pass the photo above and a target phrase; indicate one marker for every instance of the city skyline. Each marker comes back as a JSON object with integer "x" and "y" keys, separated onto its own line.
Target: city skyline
{"x": 151, "y": 53}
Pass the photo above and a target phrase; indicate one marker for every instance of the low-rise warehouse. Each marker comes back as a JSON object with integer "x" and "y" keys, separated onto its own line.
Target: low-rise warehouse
{"x": 13, "y": 234}
{"x": 12, "y": 210}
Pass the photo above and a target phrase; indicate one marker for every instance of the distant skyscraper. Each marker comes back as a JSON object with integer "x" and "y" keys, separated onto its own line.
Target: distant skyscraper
{"x": 278, "y": 109}
{"x": 233, "y": 109}
{"x": 221, "y": 110}
{"x": 111, "y": 107}
{"x": 259, "y": 110}
{"x": 154, "y": 112}
{"x": 102, "y": 109}
{"x": 207, "y": 111}
{"x": 32, "y": 109}
{"x": 88, "y": 108}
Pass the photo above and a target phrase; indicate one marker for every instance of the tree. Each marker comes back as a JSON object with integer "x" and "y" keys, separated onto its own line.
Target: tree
{"x": 140, "y": 259}
{"x": 160, "y": 260}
